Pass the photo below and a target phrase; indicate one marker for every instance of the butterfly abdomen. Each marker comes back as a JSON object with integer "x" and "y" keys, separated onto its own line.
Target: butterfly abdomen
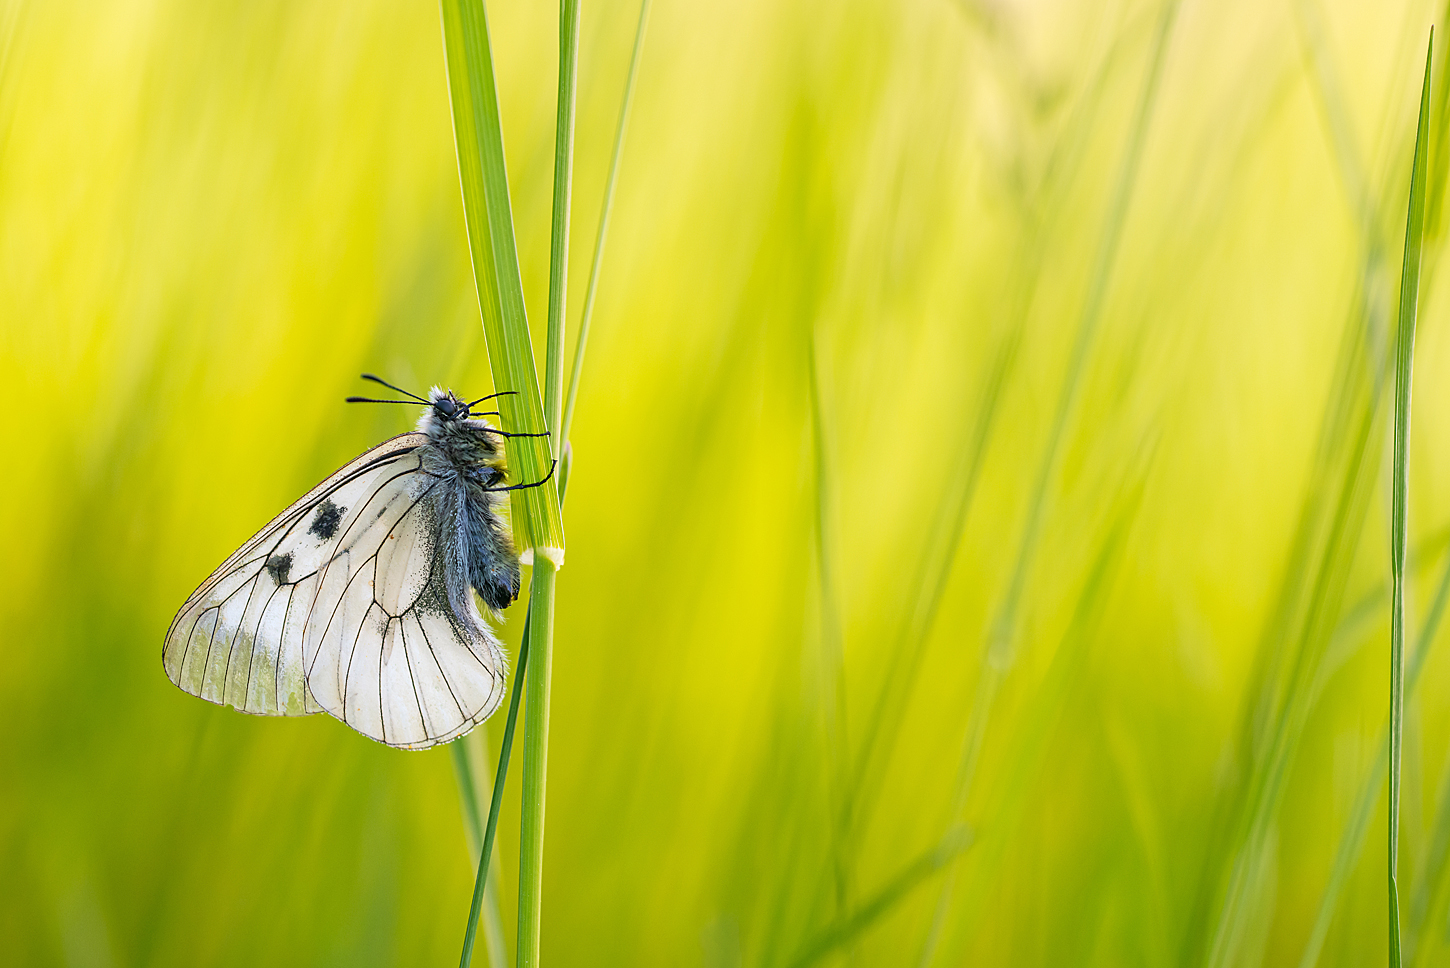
{"x": 474, "y": 458}
{"x": 493, "y": 564}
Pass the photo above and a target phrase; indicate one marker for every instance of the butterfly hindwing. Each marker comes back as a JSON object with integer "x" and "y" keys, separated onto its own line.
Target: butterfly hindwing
{"x": 341, "y": 604}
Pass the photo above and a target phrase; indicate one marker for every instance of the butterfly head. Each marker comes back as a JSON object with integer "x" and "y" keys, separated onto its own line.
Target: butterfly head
{"x": 448, "y": 418}
{"x": 446, "y": 405}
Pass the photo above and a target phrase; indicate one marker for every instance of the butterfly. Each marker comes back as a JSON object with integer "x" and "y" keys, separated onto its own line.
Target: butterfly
{"x": 356, "y": 600}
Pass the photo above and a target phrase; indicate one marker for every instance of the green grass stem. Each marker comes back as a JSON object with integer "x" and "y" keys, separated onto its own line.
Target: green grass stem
{"x": 997, "y": 654}
{"x": 1259, "y": 796}
{"x": 541, "y": 596}
{"x": 1309, "y": 600}
{"x": 536, "y": 764}
{"x": 605, "y": 208}
{"x": 496, "y": 801}
{"x": 1068, "y": 666}
{"x": 488, "y": 214}
{"x": 1330, "y": 95}
{"x": 832, "y": 646}
{"x": 470, "y": 753}
{"x": 1357, "y": 827}
{"x": 486, "y": 854}
{"x": 841, "y": 932}
{"x": 934, "y": 563}
{"x": 559, "y": 225}
{"x": 1400, "y": 486}
{"x": 538, "y": 518}
{"x": 1002, "y": 634}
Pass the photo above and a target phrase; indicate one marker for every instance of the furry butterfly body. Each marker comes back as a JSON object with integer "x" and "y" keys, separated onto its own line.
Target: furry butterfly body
{"x": 358, "y": 599}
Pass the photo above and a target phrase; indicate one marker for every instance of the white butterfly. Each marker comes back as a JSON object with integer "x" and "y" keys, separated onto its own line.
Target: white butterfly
{"x": 356, "y": 599}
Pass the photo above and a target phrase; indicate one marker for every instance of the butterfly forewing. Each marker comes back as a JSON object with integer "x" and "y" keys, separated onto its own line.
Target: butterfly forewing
{"x": 335, "y": 605}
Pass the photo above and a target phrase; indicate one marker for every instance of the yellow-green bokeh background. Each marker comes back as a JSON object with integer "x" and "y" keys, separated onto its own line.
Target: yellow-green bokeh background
{"x": 214, "y": 215}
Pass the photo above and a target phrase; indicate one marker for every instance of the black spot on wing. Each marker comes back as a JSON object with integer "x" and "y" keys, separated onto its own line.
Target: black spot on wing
{"x": 325, "y": 522}
{"x": 278, "y": 567}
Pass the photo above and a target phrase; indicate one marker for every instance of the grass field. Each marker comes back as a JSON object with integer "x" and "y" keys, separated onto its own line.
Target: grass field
{"x": 979, "y": 511}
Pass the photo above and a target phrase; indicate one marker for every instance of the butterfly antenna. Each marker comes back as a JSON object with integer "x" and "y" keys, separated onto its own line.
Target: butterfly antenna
{"x": 378, "y": 379}
{"x": 501, "y": 393}
{"x": 371, "y": 400}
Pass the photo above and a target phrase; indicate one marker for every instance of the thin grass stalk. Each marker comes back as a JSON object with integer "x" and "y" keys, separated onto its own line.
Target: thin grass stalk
{"x": 488, "y": 216}
{"x": 1255, "y": 730}
{"x": 1065, "y": 670}
{"x": 1400, "y": 487}
{"x": 559, "y": 227}
{"x": 833, "y": 678}
{"x": 493, "y": 249}
{"x": 541, "y": 596}
{"x": 468, "y": 751}
{"x": 605, "y": 208}
{"x": 1003, "y": 630}
{"x": 536, "y": 762}
{"x": 1357, "y": 827}
{"x": 1261, "y": 795}
{"x": 849, "y": 927}
{"x": 496, "y": 803}
{"x": 1430, "y": 876}
{"x": 486, "y": 852}
{"x": 934, "y": 566}
{"x": 468, "y": 790}
{"x": 997, "y": 655}
{"x": 984, "y": 700}
{"x": 1306, "y": 609}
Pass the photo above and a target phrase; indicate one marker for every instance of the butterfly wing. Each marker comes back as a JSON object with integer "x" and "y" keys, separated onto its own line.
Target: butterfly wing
{"x": 340, "y": 604}
{"x": 384, "y": 650}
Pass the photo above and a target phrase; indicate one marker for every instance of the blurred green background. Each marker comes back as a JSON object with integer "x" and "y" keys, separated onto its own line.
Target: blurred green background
{"x": 977, "y": 537}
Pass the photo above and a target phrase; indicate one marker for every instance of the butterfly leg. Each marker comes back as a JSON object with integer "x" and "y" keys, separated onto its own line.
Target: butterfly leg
{"x": 505, "y": 433}
{"x": 538, "y": 483}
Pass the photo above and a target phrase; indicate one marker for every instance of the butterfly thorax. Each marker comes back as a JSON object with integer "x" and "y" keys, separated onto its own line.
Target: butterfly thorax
{"x": 470, "y": 447}
{"x": 470, "y": 453}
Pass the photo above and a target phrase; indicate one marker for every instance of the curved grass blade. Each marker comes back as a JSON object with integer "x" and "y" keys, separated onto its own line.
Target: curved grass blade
{"x": 559, "y": 227}
{"x": 505, "y": 748}
{"x": 538, "y": 523}
{"x": 1400, "y": 487}
{"x": 469, "y": 754}
{"x": 1307, "y": 605}
{"x": 582, "y": 340}
{"x": 956, "y": 840}
{"x": 1357, "y": 828}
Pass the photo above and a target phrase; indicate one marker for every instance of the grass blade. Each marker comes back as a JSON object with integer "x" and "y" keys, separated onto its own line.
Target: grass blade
{"x": 536, "y": 761}
{"x": 934, "y": 566}
{"x": 1307, "y": 604}
{"x": 505, "y": 748}
{"x": 1065, "y": 670}
{"x": 559, "y": 228}
{"x": 1002, "y": 634}
{"x": 582, "y": 341}
{"x": 832, "y": 644}
{"x": 469, "y": 754}
{"x": 541, "y": 597}
{"x": 1399, "y": 514}
{"x": 956, "y": 840}
{"x": 538, "y": 523}
{"x": 1357, "y": 828}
